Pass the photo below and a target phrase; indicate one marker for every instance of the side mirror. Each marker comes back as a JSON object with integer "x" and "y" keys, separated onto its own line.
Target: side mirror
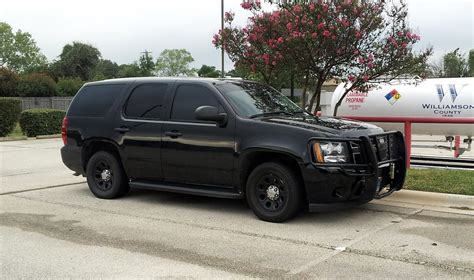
{"x": 211, "y": 114}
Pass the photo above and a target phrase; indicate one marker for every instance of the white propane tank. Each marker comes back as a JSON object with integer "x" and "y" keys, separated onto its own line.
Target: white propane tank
{"x": 431, "y": 98}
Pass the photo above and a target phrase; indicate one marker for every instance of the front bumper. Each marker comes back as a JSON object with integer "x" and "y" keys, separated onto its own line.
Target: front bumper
{"x": 377, "y": 169}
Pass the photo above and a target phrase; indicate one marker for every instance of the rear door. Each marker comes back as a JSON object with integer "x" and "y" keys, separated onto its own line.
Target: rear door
{"x": 197, "y": 152}
{"x": 140, "y": 130}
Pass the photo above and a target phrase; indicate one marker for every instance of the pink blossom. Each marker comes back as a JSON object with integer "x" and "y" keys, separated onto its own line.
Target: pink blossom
{"x": 370, "y": 65}
{"x": 215, "y": 39}
{"x": 311, "y": 7}
{"x": 314, "y": 35}
{"x": 246, "y": 5}
{"x": 321, "y": 25}
{"x": 229, "y": 16}
{"x": 404, "y": 45}
{"x": 289, "y": 26}
{"x": 326, "y": 33}
{"x": 351, "y": 78}
{"x": 325, "y": 8}
{"x": 345, "y": 22}
{"x": 356, "y": 52}
{"x": 297, "y": 8}
{"x": 358, "y": 35}
{"x": 365, "y": 78}
{"x": 361, "y": 60}
{"x": 266, "y": 58}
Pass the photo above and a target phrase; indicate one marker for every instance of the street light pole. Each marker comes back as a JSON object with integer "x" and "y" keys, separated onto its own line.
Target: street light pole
{"x": 222, "y": 48}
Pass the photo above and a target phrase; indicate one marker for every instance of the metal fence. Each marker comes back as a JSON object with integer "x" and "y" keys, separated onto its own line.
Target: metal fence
{"x": 61, "y": 103}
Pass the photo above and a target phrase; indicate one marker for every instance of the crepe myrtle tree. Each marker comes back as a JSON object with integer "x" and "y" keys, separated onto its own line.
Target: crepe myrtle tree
{"x": 356, "y": 41}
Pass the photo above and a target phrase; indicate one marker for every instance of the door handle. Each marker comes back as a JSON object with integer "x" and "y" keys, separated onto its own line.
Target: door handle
{"x": 173, "y": 134}
{"x": 122, "y": 129}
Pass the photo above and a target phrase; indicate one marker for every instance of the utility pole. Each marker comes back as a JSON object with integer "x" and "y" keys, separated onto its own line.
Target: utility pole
{"x": 146, "y": 54}
{"x": 147, "y": 65}
{"x": 222, "y": 49}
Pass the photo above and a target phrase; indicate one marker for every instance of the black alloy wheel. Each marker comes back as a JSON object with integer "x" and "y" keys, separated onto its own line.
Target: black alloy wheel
{"x": 105, "y": 176}
{"x": 274, "y": 192}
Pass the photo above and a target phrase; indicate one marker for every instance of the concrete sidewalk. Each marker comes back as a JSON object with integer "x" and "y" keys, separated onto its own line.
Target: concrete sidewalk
{"x": 441, "y": 202}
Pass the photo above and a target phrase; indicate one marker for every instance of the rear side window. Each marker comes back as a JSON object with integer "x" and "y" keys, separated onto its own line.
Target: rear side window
{"x": 94, "y": 100}
{"x": 188, "y": 98}
{"x": 146, "y": 101}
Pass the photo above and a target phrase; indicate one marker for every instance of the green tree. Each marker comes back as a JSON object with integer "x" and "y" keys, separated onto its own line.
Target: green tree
{"x": 37, "y": 85}
{"x": 77, "y": 60}
{"x": 129, "y": 70}
{"x": 208, "y": 71}
{"x": 471, "y": 63}
{"x": 455, "y": 65}
{"x": 146, "y": 64}
{"x": 18, "y": 51}
{"x": 69, "y": 86}
{"x": 8, "y": 82}
{"x": 107, "y": 69}
{"x": 175, "y": 62}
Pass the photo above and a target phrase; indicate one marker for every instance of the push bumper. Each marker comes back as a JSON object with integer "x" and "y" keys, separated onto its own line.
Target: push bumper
{"x": 376, "y": 170}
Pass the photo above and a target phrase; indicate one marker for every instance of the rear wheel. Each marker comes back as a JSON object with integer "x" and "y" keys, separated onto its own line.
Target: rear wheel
{"x": 105, "y": 176}
{"x": 274, "y": 192}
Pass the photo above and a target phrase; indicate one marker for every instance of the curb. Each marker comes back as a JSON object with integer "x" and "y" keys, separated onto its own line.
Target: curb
{"x": 21, "y": 138}
{"x": 48, "y": 136}
{"x": 17, "y": 138}
{"x": 442, "y": 202}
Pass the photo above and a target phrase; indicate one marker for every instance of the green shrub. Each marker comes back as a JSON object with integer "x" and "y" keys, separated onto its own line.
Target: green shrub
{"x": 69, "y": 86}
{"x": 8, "y": 82}
{"x": 10, "y": 109}
{"x": 36, "y": 85}
{"x": 41, "y": 121}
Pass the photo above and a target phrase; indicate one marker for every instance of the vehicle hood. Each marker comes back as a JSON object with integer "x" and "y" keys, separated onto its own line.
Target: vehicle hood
{"x": 328, "y": 126}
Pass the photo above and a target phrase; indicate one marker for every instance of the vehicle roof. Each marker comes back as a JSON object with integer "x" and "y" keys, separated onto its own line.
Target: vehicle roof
{"x": 168, "y": 79}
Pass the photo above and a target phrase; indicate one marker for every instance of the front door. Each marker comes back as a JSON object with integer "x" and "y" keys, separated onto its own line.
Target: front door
{"x": 197, "y": 152}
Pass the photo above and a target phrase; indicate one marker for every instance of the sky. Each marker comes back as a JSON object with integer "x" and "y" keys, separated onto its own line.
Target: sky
{"x": 121, "y": 30}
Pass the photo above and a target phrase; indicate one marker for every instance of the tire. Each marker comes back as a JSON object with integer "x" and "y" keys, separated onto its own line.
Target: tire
{"x": 274, "y": 192}
{"x": 105, "y": 176}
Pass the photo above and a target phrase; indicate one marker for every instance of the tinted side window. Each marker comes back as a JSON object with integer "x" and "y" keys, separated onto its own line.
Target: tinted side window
{"x": 94, "y": 100}
{"x": 188, "y": 98}
{"x": 146, "y": 101}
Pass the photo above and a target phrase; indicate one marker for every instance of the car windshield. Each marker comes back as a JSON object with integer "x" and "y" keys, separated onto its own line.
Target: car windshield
{"x": 254, "y": 99}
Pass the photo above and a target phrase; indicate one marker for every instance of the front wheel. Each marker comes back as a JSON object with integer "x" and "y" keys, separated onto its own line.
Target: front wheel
{"x": 105, "y": 176}
{"x": 274, "y": 192}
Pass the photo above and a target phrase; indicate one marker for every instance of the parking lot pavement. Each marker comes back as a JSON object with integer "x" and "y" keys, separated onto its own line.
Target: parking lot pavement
{"x": 67, "y": 232}
{"x": 32, "y": 164}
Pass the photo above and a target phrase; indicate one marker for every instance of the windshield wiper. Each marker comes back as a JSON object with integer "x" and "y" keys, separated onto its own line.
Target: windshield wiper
{"x": 271, "y": 113}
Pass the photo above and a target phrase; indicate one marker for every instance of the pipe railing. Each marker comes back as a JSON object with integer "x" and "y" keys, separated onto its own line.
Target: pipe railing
{"x": 407, "y": 121}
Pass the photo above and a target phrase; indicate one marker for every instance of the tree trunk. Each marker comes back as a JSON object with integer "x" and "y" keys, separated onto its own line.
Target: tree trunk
{"x": 339, "y": 102}
{"x": 317, "y": 95}
{"x": 292, "y": 86}
{"x": 305, "y": 87}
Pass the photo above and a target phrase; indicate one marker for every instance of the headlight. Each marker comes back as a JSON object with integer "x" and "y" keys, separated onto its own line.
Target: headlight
{"x": 331, "y": 152}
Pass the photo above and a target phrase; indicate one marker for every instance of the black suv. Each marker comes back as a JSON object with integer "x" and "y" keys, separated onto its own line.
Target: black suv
{"x": 226, "y": 138}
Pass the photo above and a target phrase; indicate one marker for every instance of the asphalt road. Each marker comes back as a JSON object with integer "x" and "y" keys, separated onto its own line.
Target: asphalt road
{"x": 52, "y": 226}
